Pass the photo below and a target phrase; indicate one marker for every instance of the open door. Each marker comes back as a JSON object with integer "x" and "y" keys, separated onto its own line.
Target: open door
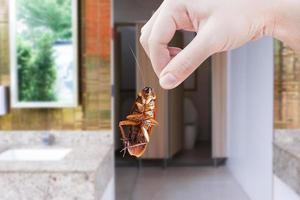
{"x": 166, "y": 139}
{"x": 219, "y": 105}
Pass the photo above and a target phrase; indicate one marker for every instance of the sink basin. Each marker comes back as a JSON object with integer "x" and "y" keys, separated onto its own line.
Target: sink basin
{"x": 34, "y": 154}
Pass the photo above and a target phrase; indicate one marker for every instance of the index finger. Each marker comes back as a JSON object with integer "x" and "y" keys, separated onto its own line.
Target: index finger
{"x": 162, "y": 33}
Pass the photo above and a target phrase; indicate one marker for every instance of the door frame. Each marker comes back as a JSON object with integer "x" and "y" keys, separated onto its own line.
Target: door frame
{"x": 219, "y": 104}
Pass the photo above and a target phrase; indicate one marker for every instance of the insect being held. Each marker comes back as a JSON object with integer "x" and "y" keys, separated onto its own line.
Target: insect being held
{"x": 139, "y": 123}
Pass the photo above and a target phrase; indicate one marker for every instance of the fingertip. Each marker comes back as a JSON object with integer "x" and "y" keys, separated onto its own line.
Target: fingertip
{"x": 168, "y": 81}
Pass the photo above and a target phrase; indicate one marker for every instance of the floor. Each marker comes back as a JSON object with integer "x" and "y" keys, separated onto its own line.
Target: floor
{"x": 200, "y": 155}
{"x": 177, "y": 183}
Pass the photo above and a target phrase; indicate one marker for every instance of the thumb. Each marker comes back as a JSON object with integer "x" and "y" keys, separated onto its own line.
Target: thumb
{"x": 187, "y": 60}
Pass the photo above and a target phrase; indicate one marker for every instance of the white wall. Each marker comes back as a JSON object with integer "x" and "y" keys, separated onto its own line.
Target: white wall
{"x": 250, "y": 117}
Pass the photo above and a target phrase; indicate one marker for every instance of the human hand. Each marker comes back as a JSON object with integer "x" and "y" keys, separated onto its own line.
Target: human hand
{"x": 220, "y": 25}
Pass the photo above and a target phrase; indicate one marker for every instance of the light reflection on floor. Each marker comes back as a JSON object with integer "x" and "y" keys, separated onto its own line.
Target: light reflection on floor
{"x": 177, "y": 183}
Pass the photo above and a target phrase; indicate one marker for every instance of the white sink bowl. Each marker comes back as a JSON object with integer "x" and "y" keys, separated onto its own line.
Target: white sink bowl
{"x": 34, "y": 154}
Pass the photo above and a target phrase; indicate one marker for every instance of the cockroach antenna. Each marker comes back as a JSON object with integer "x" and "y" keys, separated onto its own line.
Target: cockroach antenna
{"x": 138, "y": 66}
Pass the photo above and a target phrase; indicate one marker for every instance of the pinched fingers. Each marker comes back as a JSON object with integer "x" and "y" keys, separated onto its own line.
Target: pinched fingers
{"x": 173, "y": 65}
{"x": 187, "y": 60}
{"x": 156, "y": 35}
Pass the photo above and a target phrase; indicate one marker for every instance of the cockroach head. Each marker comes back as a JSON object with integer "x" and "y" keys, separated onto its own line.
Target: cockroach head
{"x": 147, "y": 91}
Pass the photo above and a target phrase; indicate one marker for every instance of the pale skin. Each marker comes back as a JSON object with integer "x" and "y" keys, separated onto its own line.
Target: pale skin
{"x": 220, "y": 25}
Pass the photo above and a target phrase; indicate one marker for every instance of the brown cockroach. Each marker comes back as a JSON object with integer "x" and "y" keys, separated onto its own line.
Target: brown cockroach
{"x": 140, "y": 122}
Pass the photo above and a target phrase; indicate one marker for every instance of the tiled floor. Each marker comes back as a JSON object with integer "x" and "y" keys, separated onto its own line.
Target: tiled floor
{"x": 177, "y": 183}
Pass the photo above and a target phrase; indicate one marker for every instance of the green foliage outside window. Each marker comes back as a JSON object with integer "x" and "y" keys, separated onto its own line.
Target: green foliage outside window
{"x": 54, "y": 15}
{"x": 45, "y": 22}
{"x": 25, "y": 71}
{"x": 37, "y": 71}
{"x": 44, "y": 70}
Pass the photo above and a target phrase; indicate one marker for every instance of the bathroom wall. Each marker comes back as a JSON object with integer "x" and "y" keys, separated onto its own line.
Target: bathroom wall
{"x": 250, "y": 117}
{"x": 94, "y": 76}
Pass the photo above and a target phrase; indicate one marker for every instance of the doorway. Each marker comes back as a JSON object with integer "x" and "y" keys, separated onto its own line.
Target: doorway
{"x": 186, "y": 136}
{"x": 125, "y": 81}
{"x": 197, "y": 134}
{"x": 197, "y": 118}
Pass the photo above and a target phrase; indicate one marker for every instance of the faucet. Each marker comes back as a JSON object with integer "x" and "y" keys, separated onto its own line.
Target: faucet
{"x": 48, "y": 139}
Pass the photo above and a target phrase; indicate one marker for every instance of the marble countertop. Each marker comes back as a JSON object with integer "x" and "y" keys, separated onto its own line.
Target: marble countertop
{"x": 89, "y": 150}
{"x": 287, "y": 157}
{"x": 288, "y": 140}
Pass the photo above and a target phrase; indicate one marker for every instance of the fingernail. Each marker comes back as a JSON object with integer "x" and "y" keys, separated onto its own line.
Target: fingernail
{"x": 168, "y": 81}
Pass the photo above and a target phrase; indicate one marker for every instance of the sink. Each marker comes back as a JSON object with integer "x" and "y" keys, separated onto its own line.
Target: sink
{"x": 34, "y": 154}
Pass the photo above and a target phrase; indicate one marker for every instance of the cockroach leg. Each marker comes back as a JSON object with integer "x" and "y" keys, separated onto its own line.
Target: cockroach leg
{"x": 124, "y": 150}
{"x": 124, "y": 138}
{"x": 153, "y": 121}
{"x": 140, "y": 106}
{"x": 135, "y": 117}
{"x": 136, "y": 145}
{"x": 126, "y": 146}
{"x": 126, "y": 123}
{"x": 146, "y": 135}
